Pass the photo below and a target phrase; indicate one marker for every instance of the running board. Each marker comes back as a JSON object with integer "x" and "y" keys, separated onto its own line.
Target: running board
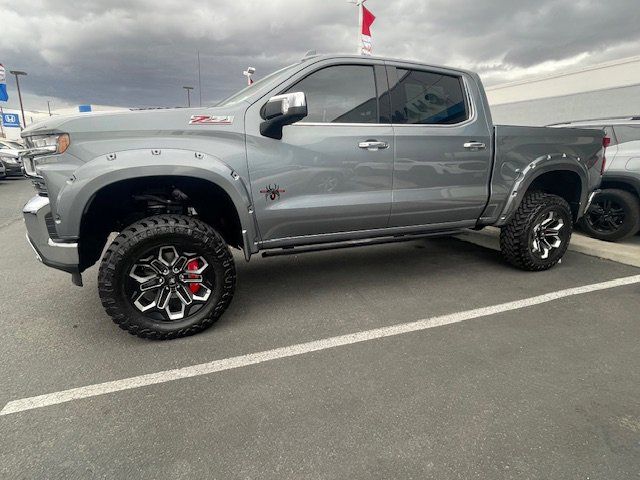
{"x": 354, "y": 243}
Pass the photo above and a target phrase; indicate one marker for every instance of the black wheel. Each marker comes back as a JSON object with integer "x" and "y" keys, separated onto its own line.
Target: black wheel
{"x": 538, "y": 235}
{"x": 613, "y": 215}
{"x": 166, "y": 276}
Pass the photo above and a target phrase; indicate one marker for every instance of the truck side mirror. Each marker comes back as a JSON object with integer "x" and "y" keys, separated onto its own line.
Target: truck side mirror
{"x": 282, "y": 110}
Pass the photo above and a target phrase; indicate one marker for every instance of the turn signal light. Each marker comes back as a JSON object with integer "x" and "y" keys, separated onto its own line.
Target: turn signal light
{"x": 606, "y": 141}
{"x": 63, "y": 143}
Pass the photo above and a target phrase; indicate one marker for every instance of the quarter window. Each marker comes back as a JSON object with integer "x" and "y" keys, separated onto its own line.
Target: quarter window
{"x": 428, "y": 98}
{"x": 627, "y": 133}
{"x": 340, "y": 94}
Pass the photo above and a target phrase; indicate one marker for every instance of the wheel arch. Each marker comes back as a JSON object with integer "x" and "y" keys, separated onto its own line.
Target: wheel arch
{"x": 631, "y": 185}
{"x": 99, "y": 187}
{"x": 566, "y": 179}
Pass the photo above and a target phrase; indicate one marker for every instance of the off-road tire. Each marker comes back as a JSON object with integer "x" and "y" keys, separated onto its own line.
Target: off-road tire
{"x": 165, "y": 228}
{"x": 516, "y": 236}
{"x": 628, "y": 202}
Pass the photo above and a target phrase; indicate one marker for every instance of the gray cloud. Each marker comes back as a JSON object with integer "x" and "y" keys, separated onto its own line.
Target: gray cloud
{"x": 141, "y": 52}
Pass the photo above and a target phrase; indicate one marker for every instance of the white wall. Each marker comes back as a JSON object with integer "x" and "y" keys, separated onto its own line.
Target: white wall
{"x": 605, "y": 90}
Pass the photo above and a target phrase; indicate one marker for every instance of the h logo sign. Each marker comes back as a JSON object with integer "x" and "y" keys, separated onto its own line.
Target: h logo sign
{"x": 10, "y": 120}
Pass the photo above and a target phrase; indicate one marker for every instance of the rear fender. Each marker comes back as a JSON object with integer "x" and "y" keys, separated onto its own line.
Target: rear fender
{"x": 538, "y": 167}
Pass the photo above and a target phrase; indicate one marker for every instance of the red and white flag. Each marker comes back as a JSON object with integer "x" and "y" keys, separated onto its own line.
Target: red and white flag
{"x": 366, "y": 20}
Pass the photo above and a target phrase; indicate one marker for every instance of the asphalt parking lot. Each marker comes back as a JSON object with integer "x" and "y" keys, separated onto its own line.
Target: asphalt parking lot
{"x": 549, "y": 390}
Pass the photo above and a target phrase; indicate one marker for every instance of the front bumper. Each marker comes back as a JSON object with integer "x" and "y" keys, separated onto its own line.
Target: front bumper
{"x": 55, "y": 254}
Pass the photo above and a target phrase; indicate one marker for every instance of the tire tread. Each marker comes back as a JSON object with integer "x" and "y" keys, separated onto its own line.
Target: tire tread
{"x": 149, "y": 227}
{"x": 514, "y": 241}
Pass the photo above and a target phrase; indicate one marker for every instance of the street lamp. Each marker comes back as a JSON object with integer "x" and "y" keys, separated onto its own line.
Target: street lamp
{"x": 188, "y": 89}
{"x": 17, "y": 73}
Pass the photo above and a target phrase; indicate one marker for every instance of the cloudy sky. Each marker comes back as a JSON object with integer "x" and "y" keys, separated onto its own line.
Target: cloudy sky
{"x": 141, "y": 52}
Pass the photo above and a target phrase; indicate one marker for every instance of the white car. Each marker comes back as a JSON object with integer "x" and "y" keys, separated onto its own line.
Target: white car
{"x": 10, "y": 157}
{"x": 10, "y": 145}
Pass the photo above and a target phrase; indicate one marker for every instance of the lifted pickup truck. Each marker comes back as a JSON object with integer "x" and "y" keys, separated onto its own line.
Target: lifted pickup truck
{"x": 333, "y": 151}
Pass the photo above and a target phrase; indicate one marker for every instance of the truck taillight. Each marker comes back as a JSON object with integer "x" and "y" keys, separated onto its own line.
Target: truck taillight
{"x": 606, "y": 141}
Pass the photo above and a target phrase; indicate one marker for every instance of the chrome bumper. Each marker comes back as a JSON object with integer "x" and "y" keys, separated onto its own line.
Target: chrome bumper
{"x": 60, "y": 255}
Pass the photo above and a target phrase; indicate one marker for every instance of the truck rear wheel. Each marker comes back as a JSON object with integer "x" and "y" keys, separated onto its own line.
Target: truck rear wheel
{"x": 614, "y": 215}
{"x": 166, "y": 276}
{"x": 538, "y": 235}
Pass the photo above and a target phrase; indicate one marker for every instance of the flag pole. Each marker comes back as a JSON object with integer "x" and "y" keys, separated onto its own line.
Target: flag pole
{"x": 359, "y": 4}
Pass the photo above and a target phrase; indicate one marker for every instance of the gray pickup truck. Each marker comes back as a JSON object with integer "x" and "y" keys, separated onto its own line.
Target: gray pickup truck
{"x": 331, "y": 152}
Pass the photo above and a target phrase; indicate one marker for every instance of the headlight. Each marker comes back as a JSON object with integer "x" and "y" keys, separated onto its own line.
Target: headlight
{"x": 59, "y": 141}
{"x": 10, "y": 160}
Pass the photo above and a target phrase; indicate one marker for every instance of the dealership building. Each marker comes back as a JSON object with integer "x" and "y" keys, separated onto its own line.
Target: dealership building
{"x": 607, "y": 90}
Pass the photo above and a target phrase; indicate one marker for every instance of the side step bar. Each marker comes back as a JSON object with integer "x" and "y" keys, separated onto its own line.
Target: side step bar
{"x": 353, "y": 243}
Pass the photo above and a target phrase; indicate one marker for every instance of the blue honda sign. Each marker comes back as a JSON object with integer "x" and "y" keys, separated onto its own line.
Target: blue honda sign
{"x": 10, "y": 120}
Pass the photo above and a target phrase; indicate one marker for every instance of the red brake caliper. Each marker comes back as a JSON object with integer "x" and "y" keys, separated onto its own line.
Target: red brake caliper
{"x": 193, "y": 265}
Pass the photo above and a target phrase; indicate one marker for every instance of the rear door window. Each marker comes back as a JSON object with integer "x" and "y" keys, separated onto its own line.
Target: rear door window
{"x": 428, "y": 98}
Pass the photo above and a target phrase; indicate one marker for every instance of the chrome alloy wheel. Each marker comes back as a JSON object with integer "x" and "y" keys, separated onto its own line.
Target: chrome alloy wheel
{"x": 546, "y": 235}
{"x": 169, "y": 284}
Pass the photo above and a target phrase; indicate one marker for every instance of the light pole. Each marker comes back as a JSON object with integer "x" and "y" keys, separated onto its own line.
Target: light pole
{"x": 49, "y": 107}
{"x": 199, "y": 82}
{"x": 188, "y": 89}
{"x": 17, "y": 73}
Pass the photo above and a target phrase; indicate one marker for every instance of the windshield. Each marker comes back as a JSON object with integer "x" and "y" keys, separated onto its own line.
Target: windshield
{"x": 249, "y": 90}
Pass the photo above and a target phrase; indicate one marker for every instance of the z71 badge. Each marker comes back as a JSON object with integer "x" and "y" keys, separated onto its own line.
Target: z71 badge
{"x": 211, "y": 120}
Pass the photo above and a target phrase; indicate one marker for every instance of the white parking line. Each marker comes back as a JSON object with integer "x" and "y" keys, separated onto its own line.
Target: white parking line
{"x": 63, "y": 396}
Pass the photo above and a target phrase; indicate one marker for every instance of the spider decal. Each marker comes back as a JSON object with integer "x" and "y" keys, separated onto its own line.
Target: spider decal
{"x": 272, "y": 192}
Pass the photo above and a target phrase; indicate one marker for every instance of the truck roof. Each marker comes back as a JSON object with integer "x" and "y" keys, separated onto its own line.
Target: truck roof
{"x": 327, "y": 56}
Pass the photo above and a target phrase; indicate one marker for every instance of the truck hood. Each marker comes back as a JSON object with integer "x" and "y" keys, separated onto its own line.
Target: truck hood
{"x": 170, "y": 119}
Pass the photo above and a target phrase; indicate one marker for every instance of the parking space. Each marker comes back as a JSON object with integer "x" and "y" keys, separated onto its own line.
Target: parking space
{"x": 543, "y": 391}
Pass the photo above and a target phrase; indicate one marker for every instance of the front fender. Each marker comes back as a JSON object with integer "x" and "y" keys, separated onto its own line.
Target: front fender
{"x": 75, "y": 197}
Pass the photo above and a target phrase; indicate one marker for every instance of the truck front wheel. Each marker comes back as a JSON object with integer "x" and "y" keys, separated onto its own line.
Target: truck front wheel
{"x": 166, "y": 276}
{"x": 538, "y": 235}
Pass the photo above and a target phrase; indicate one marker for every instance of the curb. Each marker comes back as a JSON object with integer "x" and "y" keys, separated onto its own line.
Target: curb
{"x": 627, "y": 252}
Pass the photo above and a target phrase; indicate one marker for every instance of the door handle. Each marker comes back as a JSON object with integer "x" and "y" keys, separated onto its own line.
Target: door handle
{"x": 475, "y": 146}
{"x": 373, "y": 145}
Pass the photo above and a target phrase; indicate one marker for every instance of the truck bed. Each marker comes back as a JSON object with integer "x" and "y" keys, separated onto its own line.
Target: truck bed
{"x": 518, "y": 150}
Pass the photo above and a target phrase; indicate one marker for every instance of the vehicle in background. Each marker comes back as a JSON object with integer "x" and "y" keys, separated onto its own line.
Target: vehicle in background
{"x": 11, "y": 144}
{"x": 331, "y": 152}
{"x": 12, "y": 164}
{"x": 10, "y": 157}
{"x": 615, "y": 212}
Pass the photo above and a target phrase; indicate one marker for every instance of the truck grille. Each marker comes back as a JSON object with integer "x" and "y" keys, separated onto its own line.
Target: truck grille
{"x": 39, "y": 185}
